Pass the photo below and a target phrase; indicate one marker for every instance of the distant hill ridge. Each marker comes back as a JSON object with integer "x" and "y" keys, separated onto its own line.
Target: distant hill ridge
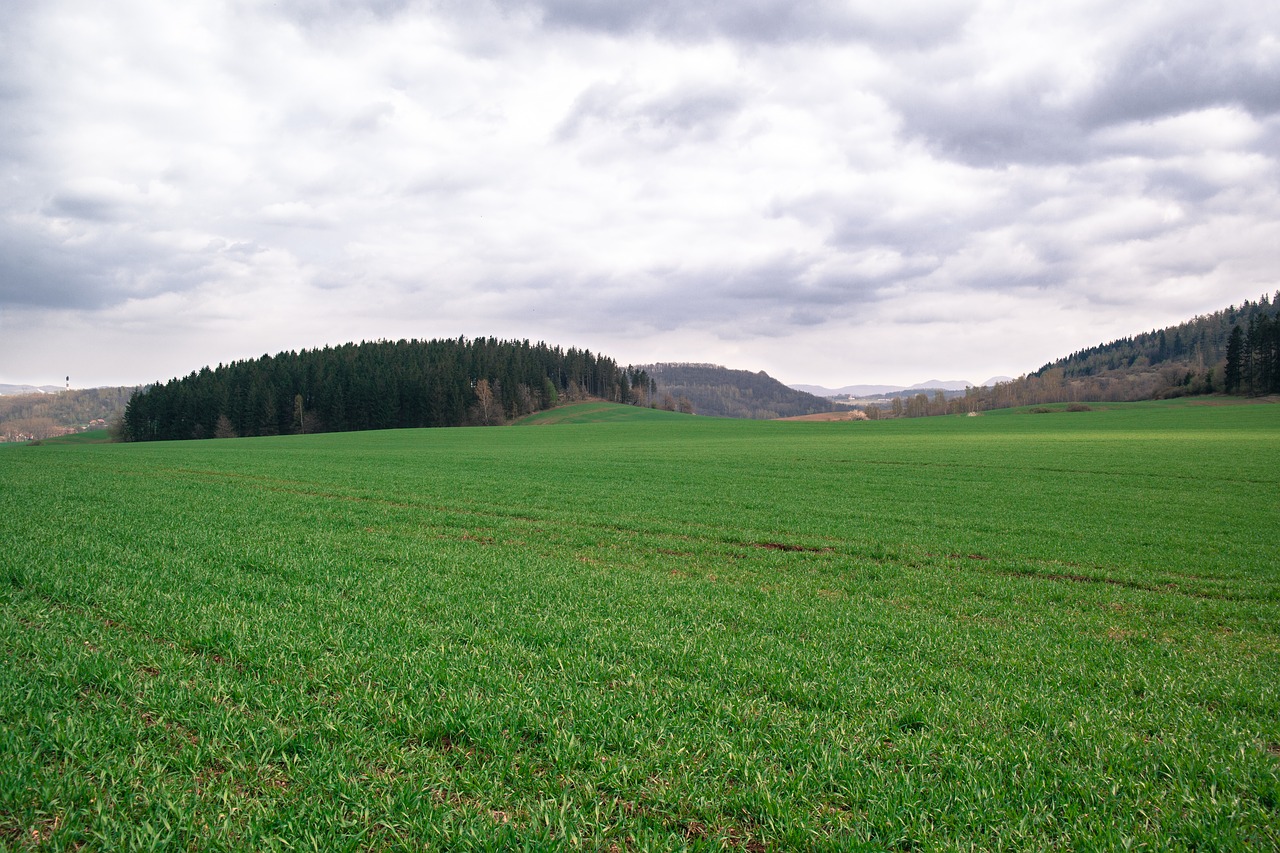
{"x": 42, "y": 414}
{"x": 880, "y": 390}
{"x": 18, "y": 390}
{"x": 724, "y": 392}
{"x": 1200, "y": 342}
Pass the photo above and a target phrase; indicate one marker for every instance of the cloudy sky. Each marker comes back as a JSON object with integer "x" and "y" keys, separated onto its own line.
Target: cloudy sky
{"x": 834, "y": 192}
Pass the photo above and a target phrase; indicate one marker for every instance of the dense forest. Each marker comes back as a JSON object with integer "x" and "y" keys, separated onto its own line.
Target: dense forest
{"x": 709, "y": 389}
{"x": 1236, "y": 351}
{"x": 378, "y": 385}
{"x": 1190, "y": 358}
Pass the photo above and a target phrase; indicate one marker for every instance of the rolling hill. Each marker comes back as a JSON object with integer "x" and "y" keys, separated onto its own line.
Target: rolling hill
{"x": 716, "y": 390}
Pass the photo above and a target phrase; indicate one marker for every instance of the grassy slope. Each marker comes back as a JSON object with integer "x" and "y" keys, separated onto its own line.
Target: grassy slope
{"x": 594, "y": 413}
{"x": 945, "y": 633}
{"x": 93, "y": 436}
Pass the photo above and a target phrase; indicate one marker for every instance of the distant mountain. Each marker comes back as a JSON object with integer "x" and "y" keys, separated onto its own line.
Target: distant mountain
{"x": 720, "y": 391}
{"x": 851, "y": 390}
{"x": 16, "y": 390}
{"x": 943, "y": 384}
{"x": 885, "y": 390}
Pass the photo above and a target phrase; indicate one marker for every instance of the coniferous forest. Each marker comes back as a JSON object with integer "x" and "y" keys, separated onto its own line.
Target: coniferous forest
{"x": 378, "y": 385}
{"x": 1236, "y": 350}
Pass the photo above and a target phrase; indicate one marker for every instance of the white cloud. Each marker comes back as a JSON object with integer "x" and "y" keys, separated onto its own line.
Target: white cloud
{"x": 772, "y": 186}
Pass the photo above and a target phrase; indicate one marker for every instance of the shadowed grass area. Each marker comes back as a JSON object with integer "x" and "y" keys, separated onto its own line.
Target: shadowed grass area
{"x": 671, "y": 633}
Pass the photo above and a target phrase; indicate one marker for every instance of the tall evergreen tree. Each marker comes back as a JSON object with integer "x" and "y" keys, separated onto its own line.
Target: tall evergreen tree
{"x": 1235, "y": 350}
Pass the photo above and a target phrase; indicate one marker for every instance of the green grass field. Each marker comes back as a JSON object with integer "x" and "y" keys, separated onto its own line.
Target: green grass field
{"x": 1017, "y": 631}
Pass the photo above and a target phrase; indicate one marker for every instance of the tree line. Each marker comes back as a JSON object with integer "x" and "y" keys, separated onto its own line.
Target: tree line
{"x": 378, "y": 385}
{"x": 1252, "y": 364}
{"x": 1236, "y": 351}
{"x": 1198, "y": 345}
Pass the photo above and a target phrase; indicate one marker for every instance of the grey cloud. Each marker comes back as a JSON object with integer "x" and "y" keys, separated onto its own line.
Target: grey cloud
{"x": 439, "y": 184}
{"x": 1192, "y": 64}
{"x": 758, "y": 21}
{"x": 1193, "y": 67}
{"x": 99, "y": 267}
{"x": 242, "y": 251}
{"x": 855, "y": 225}
{"x": 768, "y": 295}
{"x": 932, "y": 234}
{"x": 696, "y": 112}
{"x": 984, "y": 127}
{"x": 17, "y": 98}
{"x": 369, "y": 118}
{"x": 314, "y": 12}
{"x": 39, "y": 272}
{"x": 1182, "y": 184}
{"x": 93, "y": 207}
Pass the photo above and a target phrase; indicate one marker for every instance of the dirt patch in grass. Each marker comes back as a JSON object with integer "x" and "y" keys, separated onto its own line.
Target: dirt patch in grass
{"x": 784, "y": 546}
{"x": 827, "y": 417}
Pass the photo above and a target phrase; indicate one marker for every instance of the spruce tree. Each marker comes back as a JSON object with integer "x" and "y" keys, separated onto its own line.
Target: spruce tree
{"x": 1235, "y": 349}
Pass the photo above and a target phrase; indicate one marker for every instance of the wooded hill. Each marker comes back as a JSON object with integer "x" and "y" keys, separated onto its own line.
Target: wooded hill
{"x": 1199, "y": 344}
{"x": 43, "y": 415}
{"x": 714, "y": 390}
{"x": 378, "y": 385}
{"x": 1236, "y": 350}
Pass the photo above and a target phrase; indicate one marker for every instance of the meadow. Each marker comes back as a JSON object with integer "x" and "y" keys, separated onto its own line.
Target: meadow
{"x": 634, "y": 630}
